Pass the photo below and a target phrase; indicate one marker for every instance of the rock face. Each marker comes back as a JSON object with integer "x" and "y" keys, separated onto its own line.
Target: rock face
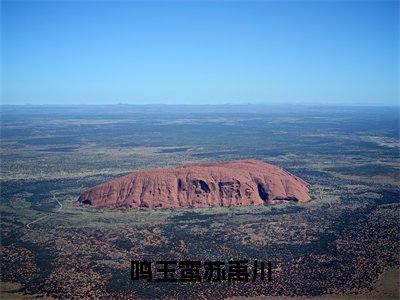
{"x": 232, "y": 183}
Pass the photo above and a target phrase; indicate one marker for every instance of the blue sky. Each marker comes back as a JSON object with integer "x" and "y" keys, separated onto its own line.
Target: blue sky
{"x": 317, "y": 52}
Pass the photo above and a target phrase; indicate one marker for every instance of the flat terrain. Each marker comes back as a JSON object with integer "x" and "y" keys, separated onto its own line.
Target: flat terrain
{"x": 341, "y": 243}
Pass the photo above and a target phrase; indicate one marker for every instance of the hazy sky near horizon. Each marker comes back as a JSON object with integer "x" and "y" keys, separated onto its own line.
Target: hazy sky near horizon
{"x": 89, "y": 52}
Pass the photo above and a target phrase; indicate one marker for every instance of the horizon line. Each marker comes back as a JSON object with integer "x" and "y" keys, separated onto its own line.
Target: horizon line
{"x": 211, "y": 104}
